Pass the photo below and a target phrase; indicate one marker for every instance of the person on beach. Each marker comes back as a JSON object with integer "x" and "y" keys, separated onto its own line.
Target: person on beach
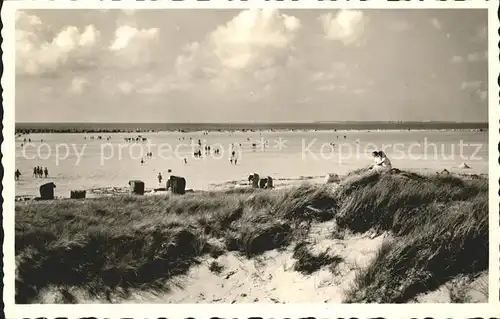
{"x": 142, "y": 161}
{"x": 381, "y": 161}
{"x": 233, "y": 157}
{"x": 384, "y": 161}
{"x": 17, "y": 174}
{"x": 185, "y": 160}
{"x": 35, "y": 171}
{"x": 159, "y": 178}
{"x": 46, "y": 172}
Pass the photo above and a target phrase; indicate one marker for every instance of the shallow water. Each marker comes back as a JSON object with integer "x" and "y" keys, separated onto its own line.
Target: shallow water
{"x": 75, "y": 161}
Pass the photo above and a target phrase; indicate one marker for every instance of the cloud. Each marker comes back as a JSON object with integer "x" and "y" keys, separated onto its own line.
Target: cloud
{"x": 483, "y": 94}
{"x": 78, "y": 85}
{"x": 37, "y": 55}
{"x": 482, "y": 32}
{"x": 477, "y": 56}
{"x": 244, "y": 39}
{"x": 152, "y": 83}
{"x": 436, "y": 23}
{"x": 125, "y": 36}
{"x": 247, "y": 50}
{"x": 332, "y": 77}
{"x": 471, "y": 85}
{"x": 27, "y": 21}
{"x": 133, "y": 46}
{"x": 346, "y": 26}
{"x": 47, "y": 90}
{"x": 457, "y": 59}
{"x": 477, "y": 88}
{"x": 152, "y": 88}
{"x": 125, "y": 87}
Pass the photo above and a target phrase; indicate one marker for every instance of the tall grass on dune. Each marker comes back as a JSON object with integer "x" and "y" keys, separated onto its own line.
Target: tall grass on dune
{"x": 440, "y": 226}
{"x": 395, "y": 201}
{"x": 119, "y": 244}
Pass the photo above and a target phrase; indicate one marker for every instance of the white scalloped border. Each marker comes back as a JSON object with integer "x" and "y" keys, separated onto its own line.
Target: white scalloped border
{"x": 248, "y": 310}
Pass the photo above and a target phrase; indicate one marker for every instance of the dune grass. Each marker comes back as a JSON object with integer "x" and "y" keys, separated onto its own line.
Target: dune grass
{"x": 118, "y": 244}
{"x": 440, "y": 226}
{"x": 308, "y": 262}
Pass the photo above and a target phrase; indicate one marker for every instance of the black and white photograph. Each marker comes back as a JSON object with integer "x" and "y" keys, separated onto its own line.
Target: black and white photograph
{"x": 253, "y": 155}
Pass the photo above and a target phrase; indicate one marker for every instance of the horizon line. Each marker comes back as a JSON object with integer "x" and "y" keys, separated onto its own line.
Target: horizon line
{"x": 256, "y": 123}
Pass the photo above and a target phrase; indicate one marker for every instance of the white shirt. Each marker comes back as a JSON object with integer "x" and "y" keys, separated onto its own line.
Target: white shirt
{"x": 383, "y": 161}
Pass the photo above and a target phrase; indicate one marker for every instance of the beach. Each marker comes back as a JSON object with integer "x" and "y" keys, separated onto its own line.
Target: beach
{"x": 80, "y": 161}
{"x": 250, "y": 245}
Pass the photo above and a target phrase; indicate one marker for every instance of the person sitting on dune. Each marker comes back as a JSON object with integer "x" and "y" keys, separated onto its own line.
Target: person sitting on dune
{"x": 382, "y": 162}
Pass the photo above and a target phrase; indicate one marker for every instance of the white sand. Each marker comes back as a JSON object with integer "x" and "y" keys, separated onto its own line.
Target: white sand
{"x": 473, "y": 291}
{"x": 271, "y": 278}
{"x": 268, "y": 278}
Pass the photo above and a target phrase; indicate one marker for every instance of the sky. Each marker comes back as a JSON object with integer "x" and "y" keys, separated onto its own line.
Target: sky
{"x": 255, "y": 65}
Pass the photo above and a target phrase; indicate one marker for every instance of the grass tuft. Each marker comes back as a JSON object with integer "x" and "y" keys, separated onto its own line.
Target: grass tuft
{"x": 308, "y": 263}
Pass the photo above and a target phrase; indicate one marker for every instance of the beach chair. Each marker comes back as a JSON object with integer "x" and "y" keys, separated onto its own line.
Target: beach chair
{"x": 47, "y": 191}
{"x": 254, "y": 179}
{"x": 136, "y": 187}
{"x": 77, "y": 194}
{"x": 263, "y": 183}
{"x": 269, "y": 184}
{"x": 177, "y": 185}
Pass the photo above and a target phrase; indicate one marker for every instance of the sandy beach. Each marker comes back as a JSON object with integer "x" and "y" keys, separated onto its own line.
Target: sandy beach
{"x": 104, "y": 166}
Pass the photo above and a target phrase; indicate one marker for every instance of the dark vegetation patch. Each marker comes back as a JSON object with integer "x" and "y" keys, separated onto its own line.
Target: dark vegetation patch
{"x": 117, "y": 244}
{"x": 216, "y": 267}
{"x": 440, "y": 226}
{"x": 308, "y": 262}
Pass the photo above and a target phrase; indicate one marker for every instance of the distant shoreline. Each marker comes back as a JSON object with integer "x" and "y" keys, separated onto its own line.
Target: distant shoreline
{"x": 23, "y": 128}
